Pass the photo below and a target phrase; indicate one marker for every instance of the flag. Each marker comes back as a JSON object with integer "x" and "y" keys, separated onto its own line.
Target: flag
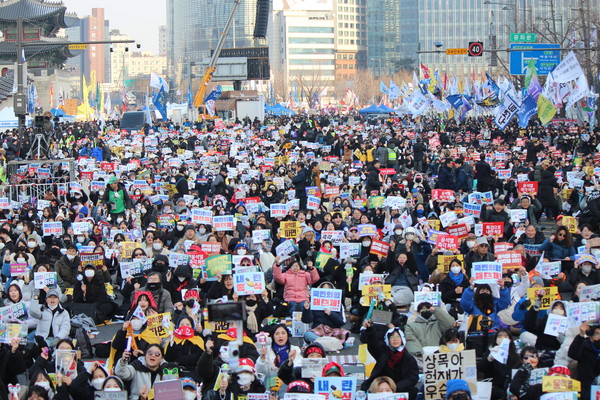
{"x": 108, "y": 104}
{"x": 425, "y": 71}
{"x": 535, "y": 88}
{"x": 157, "y": 82}
{"x": 322, "y": 94}
{"x": 546, "y": 110}
{"x": 51, "y": 96}
{"x": 394, "y": 90}
{"x": 84, "y": 91}
{"x": 214, "y": 95}
{"x": 160, "y": 102}
{"x": 147, "y": 111}
{"x": 189, "y": 97}
{"x": 527, "y": 110}
{"x": 98, "y": 97}
{"x": 315, "y": 99}
{"x": 505, "y": 112}
{"x": 61, "y": 100}
{"x": 531, "y": 71}
{"x": 493, "y": 90}
{"x": 568, "y": 70}
{"x": 31, "y": 98}
{"x": 383, "y": 89}
{"x": 295, "y": 92}
{"x": 580, "y": 90}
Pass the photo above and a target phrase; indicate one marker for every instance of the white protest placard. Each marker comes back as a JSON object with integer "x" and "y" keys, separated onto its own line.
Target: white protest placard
{"x": 472, "y": 209}
{"x": 52, "y": 228}
{"x": 249, "y": 283}
{"x": 487, "y": 272}
{"x": 131, "y": 269}
{"x": 366, "y": 279}
{"x": 4, "y": 203}
{"x": 200, "y": 216}
{"x": 434, "y": 298}
{"x": 561, "y": 396}
{"x": 590, "y": 292}
{"x": 549, "y": 270}
{"x": 335, "y": 237}
{"x": 320, "y": 299}
{"x": 303, "y": 396}
{"x": 448, "y": 219}
{"x": 555, "y": 325}
{"x": 44, "y": 279}
{"x": 313, "y": 367}
{"x": 224, "y": 223}
{"x": 578, "y": 313}
{"x": 387, "y": 396}
{"x": 177, "y": 259}
{"x": 502, "y": 354}
{"x": 518, "y": 215}
{"x": 279, "y": 210}
{"x": 14, "y": 312}
{"x": 80, "y": 228}
{"x": 286, "y": 249}
{"x": 313, "y": 202}
{"x": 395, "y": 202}
{"x": 349, "y": 250}
{"x": 439, "y": 368}
{"x": 260, "y": 235}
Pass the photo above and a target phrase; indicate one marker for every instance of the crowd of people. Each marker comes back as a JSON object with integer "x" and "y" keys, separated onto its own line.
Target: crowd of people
{"x": 416, "y": 237}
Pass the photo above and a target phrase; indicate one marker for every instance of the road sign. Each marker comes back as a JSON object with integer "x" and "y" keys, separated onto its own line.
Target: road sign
{"x": 475, "y": 49}
{"x": 542, "y": 53}
{"x": 523, "y": 37}
{"x": 457, "y": 52}
{"x": 77, "y": 46}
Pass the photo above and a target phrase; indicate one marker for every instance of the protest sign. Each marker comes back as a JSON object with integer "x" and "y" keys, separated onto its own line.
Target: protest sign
{"x": 52, "y": 228}
{"x": 168, "y": 390}
{"x": 320, "y": 299}
{"x": 166, "y": 221}
{"x": 116, "y": 395}
{"x": 321, "y": 259}
{"x": 44, "y": 279}
{"x": 433, "y": 234}
{"x": 313, "y": 203}
{"x": 501, "y": 355}
{"x": 448, "y": 218}
{"x": 595, "y": 392}
{"x": 10, "y": 331}
{"x": 551, "y": 384}
{"x": 447, "y": 242}
{"x": 555, "y": 325}
{"x": 442, "y": 195}
{"x": 443, "y": 262}
{"x": 562, "y": 396}
{"x": 590, "y": 292}
{"x": 459, "y": 230}
{"x": 509, "y": 259}
{"x": 131, "y": 269}
{"x": 260, "y": 235}
{"x": 387, "y": 396}
{"x": 367, "y": 279}
{"x": 548, "y": 295}
{"x": 177, "y": 259}
{"x": 19, "y": 269}
{"x": 379, "y": 247}
{"x": 217, "y": 265}
{"x": 336, "y": 387}
{"x": 434, "y": 224}
{"x": 502, "y": 246}
{"x": 335, "y": 237}
{"x": 331, "y": 191}
{"x": 299, "y": 328}
{"x": 549, "y": 270}
{"x": 279, "y": 210}
{"x": 533, "y": 250}
{"x": 224, "y": 223}
{"x": 395, "y": 202}
{"x": 376, "y": 292}
{"x": 66, "y": 362}
{"x": 518, "y": 215}
{"x": 434, "y": 298}
{"x": 160, "y": 324}
{"x": 304, "y": 396}
{"x": 583, "y": 311}
{"x": 527, "y": 187}
{"x": 493, "y": 228}
{"x": 286, "y": 249}
{"x": 366, "y": 230}
{"x": 127, "y": 249}
{"x": 570, "y": 223}
{"x": 375, "y": 202}
{"x": 80, "y": 228}
{"x": 290, "y": 229}
{"x": 13, "y": 312}
{"x": 96, "y": 259}
{"x": 439, "y": 368}
{"x": 487, "y": 272}
{"x": 349, "y": 250}
{"x": 472, "y": 209}
{"x": 313, "y": 367}
{"x": 211, "y": 247}
{"x": 200, "y": 216}
{"x": 249, "y": 283}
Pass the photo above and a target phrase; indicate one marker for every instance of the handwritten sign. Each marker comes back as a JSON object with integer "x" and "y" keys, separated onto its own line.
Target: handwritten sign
{"x": 439, "y": 368}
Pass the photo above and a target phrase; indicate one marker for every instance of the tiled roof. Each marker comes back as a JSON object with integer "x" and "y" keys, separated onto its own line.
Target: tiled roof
{"x": 10, "y": 10}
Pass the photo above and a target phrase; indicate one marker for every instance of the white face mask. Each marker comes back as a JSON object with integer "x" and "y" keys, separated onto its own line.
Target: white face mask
{"x": 157, "y": 246}
{"x": 398, "y": 231}
{"x": 136, "y": 324}
{"x": 410, "y": 236}
{"x": 245, "y": 379}
{"x": 19, "y": 229}
{"x": 112, "y": 389}
{"x": 189, "y": 395}
{"x": 89, "y": 273}
{"x": 456, "y": 270}
{"x": 31, "y": 245}
{"x": 97, "y": 383}
{"x": 1, "y": 245}
{"x": 470, "y": 244}
{"x": 586, "y": 269}
{"x": 224, "y": 353}
{"x": 119, "y": 220}
{"x": 21, "y": 260}
{"x": 71, "y": 257}
{"x": 202, "y": 231}
{"x": 558, "y": 311}
{"x": 180, "y": 227}
{"x": 81, "y": 239}
{"x": 181, "y": 278}
{"x": 241, "y": 252}
{"x": 366, "y": 243}
{"x": 44, "y": 384}
{"x": 453, "y": 346}
{"x": 596, "y": 252}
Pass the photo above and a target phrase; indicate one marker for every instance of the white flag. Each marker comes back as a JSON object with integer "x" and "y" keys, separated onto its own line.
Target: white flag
{"x": 568, "y": 69}
{"x": 157, "y": 81}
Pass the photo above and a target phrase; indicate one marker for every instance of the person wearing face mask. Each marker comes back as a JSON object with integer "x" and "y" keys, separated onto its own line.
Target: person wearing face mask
{"x": 585, "y": 271}
{"x": 186, "y": 347}
{"x": 453, "y": 285}
{"x": 40, "y": 386}
{"x": 84, "y": 385}
{"x": 427, "y": 329}
{"x": 480, "y": 303}
{"x": 90, "y": 289}
{"x": 491, "y": 368}
{"x": 536, "y": 325}
{"x": 162, "y": 296}
{"x": 142, "y": 338}
{"x": 67, "y": 266}
{"x": 54, "y": 321}
{"x": 117, "y": 199}
{"x": 451, "y": 342}
{"x": 393, "y": 360}
{"x": 158, "y": 247}
{"x": 181, "y": 280}
{"x": 585, "y": 349}
{"x": 113, "y": 384}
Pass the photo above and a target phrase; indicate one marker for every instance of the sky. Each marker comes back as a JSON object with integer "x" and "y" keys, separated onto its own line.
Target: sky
{"x": 139, "y": 19}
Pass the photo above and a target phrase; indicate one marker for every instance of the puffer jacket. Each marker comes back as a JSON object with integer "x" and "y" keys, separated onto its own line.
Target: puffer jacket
{"x": 422, "y": 332}
{"x": 61, "y": 321}
{"x": 295, "y": 284}
{"x": 556, "y": 251}
{"x": 138, "y": 374}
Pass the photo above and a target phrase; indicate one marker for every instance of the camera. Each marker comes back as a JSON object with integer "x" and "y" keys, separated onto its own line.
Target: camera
{"x": 227, "y": 312}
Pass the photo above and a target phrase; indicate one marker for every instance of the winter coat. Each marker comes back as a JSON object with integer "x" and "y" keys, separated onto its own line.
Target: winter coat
{"x": 138, "y": 374}
{"x": 95, "y": 291}
{"x": 59, "y": 319}
{"x": 448, "y": 289}
{"x": 299, "y": 182}
{"x": 295, "y": 284}
{"x": 534, "y": 208}
{"x": 462, "y": 180}
{"x": 373, "y": 182}
{"x": 588, "y": 368}
{"x": 421, "y": 332}
{"x": 409, "y": 270}
{"x": 267, "y": 366}
{"x": 467, "y": 302}
{"x": 162, "y": 297}
{"x": 494, "y": 216}
{"x": 67, "y": 270}
{"x": 556, "y": 251}
{"x": 546, "y": 189}
{"x": 445, "y": 178}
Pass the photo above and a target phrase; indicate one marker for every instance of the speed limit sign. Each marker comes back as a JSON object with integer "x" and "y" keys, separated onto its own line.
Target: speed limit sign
{"x": 475, "y": 49}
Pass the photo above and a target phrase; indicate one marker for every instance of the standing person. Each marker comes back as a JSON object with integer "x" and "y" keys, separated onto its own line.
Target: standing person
{"x": 117, "y": 198}
{"x": 446, "y": 176}
{"x": 483, "y": 174}
{"x": 299, "y": 182}
{"x": 547, "y": 193}
{"x": 419, "y": 154}
{"x": 461, "y": 184}
{"x": 218, "y": 185}
{"x": 373, "y": 179}
{"x": 585, "y": 349}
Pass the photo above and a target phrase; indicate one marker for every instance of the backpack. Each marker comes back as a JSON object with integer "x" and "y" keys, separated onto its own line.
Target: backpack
{"x": 83, "y": 343}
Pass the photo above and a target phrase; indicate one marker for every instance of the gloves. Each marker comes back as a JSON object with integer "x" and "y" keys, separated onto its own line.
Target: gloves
{"x": 537, "y": 304}
{"x": 525, "y": 305}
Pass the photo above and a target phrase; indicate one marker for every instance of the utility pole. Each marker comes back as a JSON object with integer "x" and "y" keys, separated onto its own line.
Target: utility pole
{"x": 20, "y": 99}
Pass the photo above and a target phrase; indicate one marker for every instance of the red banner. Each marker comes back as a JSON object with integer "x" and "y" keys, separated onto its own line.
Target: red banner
{"x": 447, "y": 242}
{"x": 380, "y": 248}
{"x": 493, "y": 228}
{"x": 442, "y": 195}
{"x": 460, "y": 230}
{"x": 528, "y": 187}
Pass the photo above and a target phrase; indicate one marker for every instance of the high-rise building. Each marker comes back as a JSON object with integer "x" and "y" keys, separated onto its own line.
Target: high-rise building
{"x": 119, "y": 58}
{"x": 162, "y": 40}
{"x": 194, "y": 28}
{"x": 351, "y": 38}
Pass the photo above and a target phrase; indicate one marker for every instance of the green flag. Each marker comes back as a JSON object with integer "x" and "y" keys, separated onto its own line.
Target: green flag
{"x": 531, "y": 70}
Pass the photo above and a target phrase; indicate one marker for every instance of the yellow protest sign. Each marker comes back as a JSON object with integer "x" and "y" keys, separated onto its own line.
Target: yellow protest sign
{"x": 549, "y": 294}
{"x": 571, "y": 223}
{"x": 566, "y": 193}
{"x": 552, "y": 384}
{"x": 160, "y": 324}
{"x": 322, "y": 259}
{"x": 377, "y": 292}
{"x": 546, "y": 110}
{"x": 443, "y": 262}
{"x": 290, "y": 229}
{"x": 434, "y": 224}
{"x": 127, "y": 249}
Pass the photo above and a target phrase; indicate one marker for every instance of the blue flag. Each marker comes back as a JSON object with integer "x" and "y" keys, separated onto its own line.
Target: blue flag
{"x": 383, "y": 88}
{"x": 455, "y": 100}
{"x": 160, "y": 102}
{"x": 527, "y": 110}
{"x": 214, "y": 95}
{"x": 189, "y": 97}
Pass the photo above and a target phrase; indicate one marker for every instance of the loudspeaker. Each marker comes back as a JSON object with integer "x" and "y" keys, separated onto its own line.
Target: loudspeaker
{"x": 262, "y": 18}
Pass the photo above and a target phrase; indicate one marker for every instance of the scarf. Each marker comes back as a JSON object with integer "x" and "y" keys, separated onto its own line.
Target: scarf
{"x": 456, "y": 279}
{"x": 281, "y": 353}
{"x": 394, "y": 358}
{"x": 146, "y": 335}
{"x": 251, "y": 321}
{"x": 185, "y": 333}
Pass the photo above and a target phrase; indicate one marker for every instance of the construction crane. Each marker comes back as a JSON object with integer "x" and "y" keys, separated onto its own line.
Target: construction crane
{"x": 212, "y": 67}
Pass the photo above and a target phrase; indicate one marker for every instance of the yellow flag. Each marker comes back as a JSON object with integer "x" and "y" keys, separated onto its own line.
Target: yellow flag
{"x": 84, "y": 91}
{"x": 546, "y": 110}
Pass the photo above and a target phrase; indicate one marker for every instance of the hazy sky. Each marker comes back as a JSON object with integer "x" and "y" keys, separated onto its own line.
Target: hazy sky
{"x": 137, "y": 18}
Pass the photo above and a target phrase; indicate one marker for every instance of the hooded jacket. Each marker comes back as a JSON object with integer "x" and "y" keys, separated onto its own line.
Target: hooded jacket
{"x": 138, "y": 374}
{"x": 295, "y": 284}
{"x": 422, "y": 332}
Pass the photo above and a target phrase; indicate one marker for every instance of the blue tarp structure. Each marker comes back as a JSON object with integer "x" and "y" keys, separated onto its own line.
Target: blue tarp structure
{"x": 372, "y": 109}
{"x": 278, "y": 109}
{"x": 57, "y": 112}
{"x": 386, "y": 109}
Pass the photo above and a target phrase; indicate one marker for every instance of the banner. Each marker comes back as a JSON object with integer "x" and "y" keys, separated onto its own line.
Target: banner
{"x": 505, "y": 112}
{"x": 528, "y": 109}
{"x": 546, "y": 110}
{"x": 336, "y": 388}
{"x": 487, "y": 272}
{"x": 320, "y": 299}
{"x": 568, "y": 70}
{"x": 439, "y": 368}
{"x": 249, "y": 283}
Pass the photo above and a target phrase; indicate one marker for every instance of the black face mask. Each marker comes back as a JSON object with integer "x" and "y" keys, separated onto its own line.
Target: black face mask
{"x": 426, "y": 314}
{"x": 190, "y": 303}
{"x": 21, "y": 248}
{"x": 250, "y": 303}
{"x": 154, "y": 286}
{"x": 160, "y": 267}
{"x": 508, "y": 284}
